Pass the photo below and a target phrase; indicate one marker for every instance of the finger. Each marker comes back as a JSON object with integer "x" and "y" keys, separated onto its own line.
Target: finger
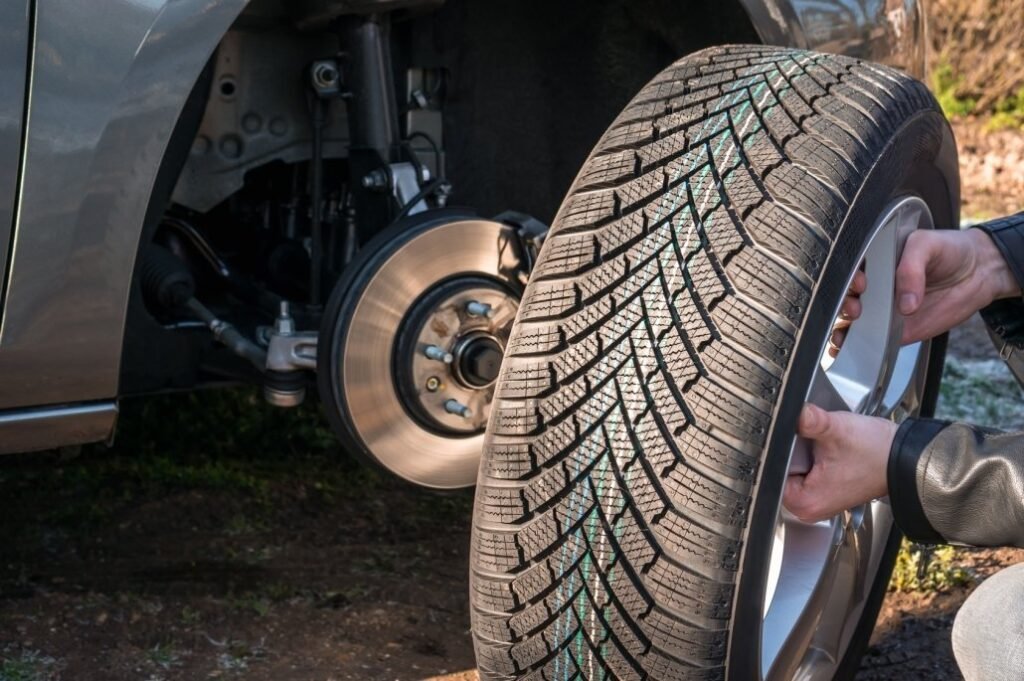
{"x": 814, "y": 422}
{"x": 803, "y": 500}
{"x": 851, "y": 309}
{"x": 859, "y": 283}
{"x": 793, "y": 494}
{"x": 835, "y": 343}
{"x": 911, "y": 272}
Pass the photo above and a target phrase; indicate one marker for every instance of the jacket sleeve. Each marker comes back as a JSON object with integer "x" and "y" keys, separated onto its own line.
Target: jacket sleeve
{"x": 957, "y": 484}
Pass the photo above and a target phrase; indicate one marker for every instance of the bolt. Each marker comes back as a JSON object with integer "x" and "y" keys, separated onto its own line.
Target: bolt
{"x": 457, "y": 408}
{"x": 438, "y": 354}
{"x": 433, "y": 384}
{"x": 376, "y": 180}
{"x": 478, "y": 309}
{"x": 201, "y": 145}
{"x": 284, "y": 325}
{"x": 325, "y": 75}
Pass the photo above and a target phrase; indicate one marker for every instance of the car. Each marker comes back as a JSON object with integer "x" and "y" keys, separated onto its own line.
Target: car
{"x": 352, "y": 198}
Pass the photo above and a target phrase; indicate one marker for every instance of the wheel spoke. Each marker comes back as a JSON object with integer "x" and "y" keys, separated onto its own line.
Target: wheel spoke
{"x": 816, "y": 641}
{"x": 906, "y": 386}
{"x": 799, "y": 598}
{"x": 823, "y": 393}
{"x": 852, "y": 558}
{"x": 860, "y": 370}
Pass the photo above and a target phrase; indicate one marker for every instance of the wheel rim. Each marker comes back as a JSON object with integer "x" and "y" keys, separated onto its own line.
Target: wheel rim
{"x": 436, "y": 448}
{"x": 820, "y": 575}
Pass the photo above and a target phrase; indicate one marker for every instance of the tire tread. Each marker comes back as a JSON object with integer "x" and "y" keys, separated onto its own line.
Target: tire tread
{"x": 650, "y": 349}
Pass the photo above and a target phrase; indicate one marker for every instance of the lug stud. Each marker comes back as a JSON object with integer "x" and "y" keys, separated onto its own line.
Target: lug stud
{"x": 477, "y": 309}
{"x": 438, "y": 354}
{"x": 457, "y": 408}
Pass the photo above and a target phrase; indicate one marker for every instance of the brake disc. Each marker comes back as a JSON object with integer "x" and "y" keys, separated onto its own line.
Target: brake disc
{"x": 412, "y": 340}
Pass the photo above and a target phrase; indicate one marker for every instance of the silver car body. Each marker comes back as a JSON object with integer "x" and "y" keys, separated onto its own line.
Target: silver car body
{"x": 89, "y": 96}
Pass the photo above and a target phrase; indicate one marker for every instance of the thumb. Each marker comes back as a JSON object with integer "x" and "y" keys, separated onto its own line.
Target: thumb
{"x": 814, "y": 422}
{"x": 911, "y": 274}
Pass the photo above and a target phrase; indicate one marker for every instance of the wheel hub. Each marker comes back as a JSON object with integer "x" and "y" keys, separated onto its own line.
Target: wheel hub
{"x": 448, "y": 360}
{"x": 479, "y": 360}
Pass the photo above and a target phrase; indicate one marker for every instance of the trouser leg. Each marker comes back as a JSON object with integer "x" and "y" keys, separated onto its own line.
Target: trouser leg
{"x": 988, "y": 633}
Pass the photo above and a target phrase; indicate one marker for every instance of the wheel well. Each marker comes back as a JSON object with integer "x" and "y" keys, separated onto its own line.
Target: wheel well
{"x": 532, "y": 85}
{"x": 527, "y": 87}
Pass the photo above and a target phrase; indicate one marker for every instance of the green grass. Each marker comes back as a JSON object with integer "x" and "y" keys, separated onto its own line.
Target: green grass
{"x": 926, "y": 569}
{"x": 253, "y": 603}
{"x": 227, "y": 441}
{"x": 1009, "y": 113}
{"x": 944, "y": 85}
{"x": 29, "y": 665}
{"x": 164, "y": 656}
{"x": 190, "y": 617}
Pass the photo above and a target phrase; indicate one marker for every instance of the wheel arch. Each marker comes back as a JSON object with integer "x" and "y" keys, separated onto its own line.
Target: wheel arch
{"x": 592, "y": 57}
{"x": 548, "y": 79}
{"x": 893, "y": 34}
{"x": 105, "y": 96}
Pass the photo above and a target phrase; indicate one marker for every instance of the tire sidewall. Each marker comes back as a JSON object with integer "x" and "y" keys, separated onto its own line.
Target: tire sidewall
{"x": 920, "y": 159}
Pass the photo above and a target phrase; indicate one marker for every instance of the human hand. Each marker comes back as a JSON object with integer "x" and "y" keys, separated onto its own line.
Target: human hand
{"x": 850, "y": 456}
{"x": 945, "y": 276}
{"x": 848, "y": 313}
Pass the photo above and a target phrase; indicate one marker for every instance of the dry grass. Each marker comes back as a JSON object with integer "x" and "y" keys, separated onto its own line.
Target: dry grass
{"x": 981, "y": 42}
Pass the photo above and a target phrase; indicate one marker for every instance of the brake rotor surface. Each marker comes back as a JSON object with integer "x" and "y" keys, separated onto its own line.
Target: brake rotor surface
{"x": 414, "y": 342}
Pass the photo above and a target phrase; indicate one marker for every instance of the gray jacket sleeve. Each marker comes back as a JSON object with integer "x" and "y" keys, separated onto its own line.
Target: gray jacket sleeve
{"x": 958, "y": 484}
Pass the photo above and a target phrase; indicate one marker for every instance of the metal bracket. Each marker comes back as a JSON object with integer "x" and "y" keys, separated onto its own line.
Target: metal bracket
{"x": 531, "y": 233}
{"x": 403, "y": 180}
{"x": 292, "y": 353}
{"x": 405, "y": 185}
{"x": 288, "y": 349}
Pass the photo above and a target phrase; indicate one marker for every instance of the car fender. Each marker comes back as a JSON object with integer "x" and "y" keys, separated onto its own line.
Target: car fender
{"x": 108, "y": 80}
{"x": 890, "y": 32}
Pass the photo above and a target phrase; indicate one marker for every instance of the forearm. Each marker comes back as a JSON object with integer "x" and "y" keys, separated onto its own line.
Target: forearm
{"x": 958, "y": 483}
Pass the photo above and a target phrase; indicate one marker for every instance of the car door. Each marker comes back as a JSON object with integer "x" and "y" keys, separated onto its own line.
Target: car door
{"x": 15, "y": 23}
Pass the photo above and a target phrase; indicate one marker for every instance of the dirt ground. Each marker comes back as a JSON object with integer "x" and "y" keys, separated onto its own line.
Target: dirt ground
{"x": 284, "y": 566}
{"x": 303, "y": 580}
{"x": 197, "y": 551}
{"x": 208, "y": 583}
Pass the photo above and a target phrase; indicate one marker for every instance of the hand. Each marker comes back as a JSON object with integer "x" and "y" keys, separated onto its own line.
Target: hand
{"x": 945, "y": 276}
{"x": 848, "y": 313}
{"x": 850, "y": 454}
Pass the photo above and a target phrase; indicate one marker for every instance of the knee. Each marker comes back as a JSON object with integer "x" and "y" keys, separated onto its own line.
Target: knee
{"x": 988, "y": 633}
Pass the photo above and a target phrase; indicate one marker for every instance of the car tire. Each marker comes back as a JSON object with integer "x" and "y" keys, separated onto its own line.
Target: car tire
{"x": 644, "y": 418}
